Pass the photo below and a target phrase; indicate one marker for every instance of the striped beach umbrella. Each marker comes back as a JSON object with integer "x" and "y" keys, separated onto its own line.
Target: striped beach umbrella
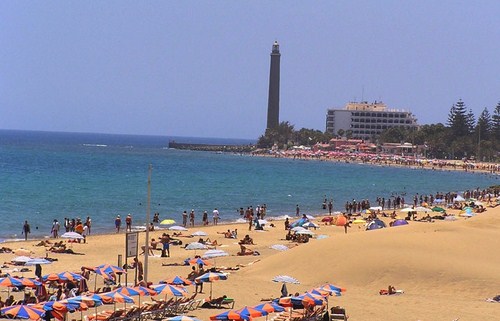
{"x": 170, "y": 289}
{"x": 247, "y": 313}
{"x": 116, "y": 297}
{"x": 269, "y": 307}
{"x": 22, "y": 312}
{"x": 182, "y": 318}
{"x": 90, "y": 301}
{"x": 308, "y": 299}
{"x": 110, "y": 269}
{"x": 177, "y": 280}
{"x": 198, "y": 261}
{"x": 331, "y": 288}
{"x": 228, "y": 315}
{"x": 211, "y": 277}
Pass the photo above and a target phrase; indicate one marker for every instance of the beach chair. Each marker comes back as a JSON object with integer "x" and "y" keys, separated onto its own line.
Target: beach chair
{"x": 338, "y": 313}
{"x": 227, "y": 302}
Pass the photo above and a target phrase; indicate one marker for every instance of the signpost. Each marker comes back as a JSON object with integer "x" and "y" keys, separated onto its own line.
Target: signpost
{"x": 131, "y": 249}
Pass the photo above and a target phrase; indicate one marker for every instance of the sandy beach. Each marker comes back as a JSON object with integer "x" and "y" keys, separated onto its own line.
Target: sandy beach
{"x": 446, "y": 268}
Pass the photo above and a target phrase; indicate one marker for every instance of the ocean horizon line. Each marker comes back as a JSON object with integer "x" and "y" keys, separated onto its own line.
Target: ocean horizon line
{"x": 179, "y": 139}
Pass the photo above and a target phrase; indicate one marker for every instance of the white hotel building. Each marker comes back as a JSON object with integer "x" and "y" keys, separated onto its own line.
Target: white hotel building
{"x": 367, "y": 120}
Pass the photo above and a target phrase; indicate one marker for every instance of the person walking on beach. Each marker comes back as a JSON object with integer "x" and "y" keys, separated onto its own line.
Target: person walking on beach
{"x": 330, "y": 207}
{"x": 216, "y": 216}
{"x": 118, "y": 223}
{"x": 205, "y": 218}
{"x": 184, "y": 218}
{"x": 88, "y": 223}
{"x": 55, "y": 229}
{"x": 26, "y": 230}
{"x": 128, "y": 222}
{"x": 297, "y": 210}
{"x": 165, "y": 241}
{"x": 191, "y": 218}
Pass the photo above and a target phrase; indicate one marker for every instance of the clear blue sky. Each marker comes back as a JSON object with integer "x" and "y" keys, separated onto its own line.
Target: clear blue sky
{"x": 201, "y": 68}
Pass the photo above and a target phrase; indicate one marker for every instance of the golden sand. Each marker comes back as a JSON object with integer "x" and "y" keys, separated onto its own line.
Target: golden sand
{"x": 446, "y": 269}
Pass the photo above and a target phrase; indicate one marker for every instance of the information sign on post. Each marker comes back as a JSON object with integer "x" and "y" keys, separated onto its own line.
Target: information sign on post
{"x": 132, "y": 244}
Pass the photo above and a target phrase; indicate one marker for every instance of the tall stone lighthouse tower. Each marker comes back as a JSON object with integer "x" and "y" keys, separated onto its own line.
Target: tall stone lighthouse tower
{"x": 273, "y": 103}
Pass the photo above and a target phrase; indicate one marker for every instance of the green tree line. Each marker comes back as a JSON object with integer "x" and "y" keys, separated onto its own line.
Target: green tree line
{"x": 463, "y": 136}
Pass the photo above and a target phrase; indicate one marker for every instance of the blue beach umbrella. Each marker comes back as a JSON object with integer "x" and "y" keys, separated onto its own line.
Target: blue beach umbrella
{"x": 400, "y": 222}
{"x": 22, "y": 312}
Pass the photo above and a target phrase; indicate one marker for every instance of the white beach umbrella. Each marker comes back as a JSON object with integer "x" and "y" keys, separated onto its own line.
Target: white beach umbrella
{"x": 199, "y": 233}
{"x": 310, "y": 217}
{"x": 210, "y": 254}
{"x": 298, "y": 228}
{"x": 458, "y": 199}
{"x": 72, "y": 235}
{"x": 177, "y": 228}
{"x": 408, "y": 209}
{"x": 285, "y": 279}
{"x": 21, "y": 259}
{"x": 36, "y": 261}
{"x": 196, "y": 246}
{"x": 423, "y": 209}
{"x": 375, "y": 208}
{"x": 308, "y": 232}
{"x": 310, "y": 224}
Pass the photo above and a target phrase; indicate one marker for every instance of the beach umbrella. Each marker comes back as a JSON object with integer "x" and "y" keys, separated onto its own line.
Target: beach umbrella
{"x": 210, "y": 254}
{"x": 376, "y": 208}
{"x": 309, "y": 224}
{"x": 305, "y": 232}
{"x": 228, "y": 315}
{"x": 438, "y": 209}
{"x": 62, "y": 306}
{"x": 458, "y": 198}
{"x": 400, "y": 222}
{"x": 170, "y": 289}
{"x": 279, "y": 247}
{"x": 310, "y": 217}
{"x": 210, "y": 277}
{"x": 182, "y": 318}
{"x": 177, "y": 280}
{"x": 93, "y": 300}
{"x": 109, "y": 269}
{"x": 72, "y": 235}
{"x": 10, "y": 282}
{"x": 269, "y": 307}
{"x": 408, "y": 209}
{"x": 198, "y": 261}
{"x": 341, "y": 220}
{"x": 177, "y": 228}
{"x": 422, "y": 209}
{"x": 331, "y": 288}
{"x": 199, "y": 233}
{"x": 136, "y": 291}
{"x": 298, "y": 228}
{"x": 22, "y": 312}
{"x": 36, "y": 261}
{"x": 196, "y": 246}
{"x": 21, "y": 259}
{"x": 247, "y": 313}
{"x": 115, "y": 297}
{"x": 285, "y": 279}
{"x": 167, "y": 221}
{"x": 308, "y": 299}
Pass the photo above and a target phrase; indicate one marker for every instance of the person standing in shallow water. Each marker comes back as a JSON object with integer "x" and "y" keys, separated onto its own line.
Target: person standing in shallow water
{"x": 26, "y": 230}
{"x": 118, "y": 223}
{"x": 128, "y": 221}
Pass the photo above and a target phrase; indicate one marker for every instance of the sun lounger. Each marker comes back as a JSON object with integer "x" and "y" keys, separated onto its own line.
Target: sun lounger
{"x": 227, "y": 302}
{"x": 338, "y": 313}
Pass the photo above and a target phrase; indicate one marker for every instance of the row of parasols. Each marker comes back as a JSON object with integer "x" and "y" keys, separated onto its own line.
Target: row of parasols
{"x": 172, "y": 286}
{"x": 315, "y": 297}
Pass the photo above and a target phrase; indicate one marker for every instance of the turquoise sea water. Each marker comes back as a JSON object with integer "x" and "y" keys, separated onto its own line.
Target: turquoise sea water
{"x": 46, "y": 176}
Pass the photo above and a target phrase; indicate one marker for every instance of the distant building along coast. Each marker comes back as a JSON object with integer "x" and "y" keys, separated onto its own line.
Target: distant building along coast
{"x": 366, "y": 120}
